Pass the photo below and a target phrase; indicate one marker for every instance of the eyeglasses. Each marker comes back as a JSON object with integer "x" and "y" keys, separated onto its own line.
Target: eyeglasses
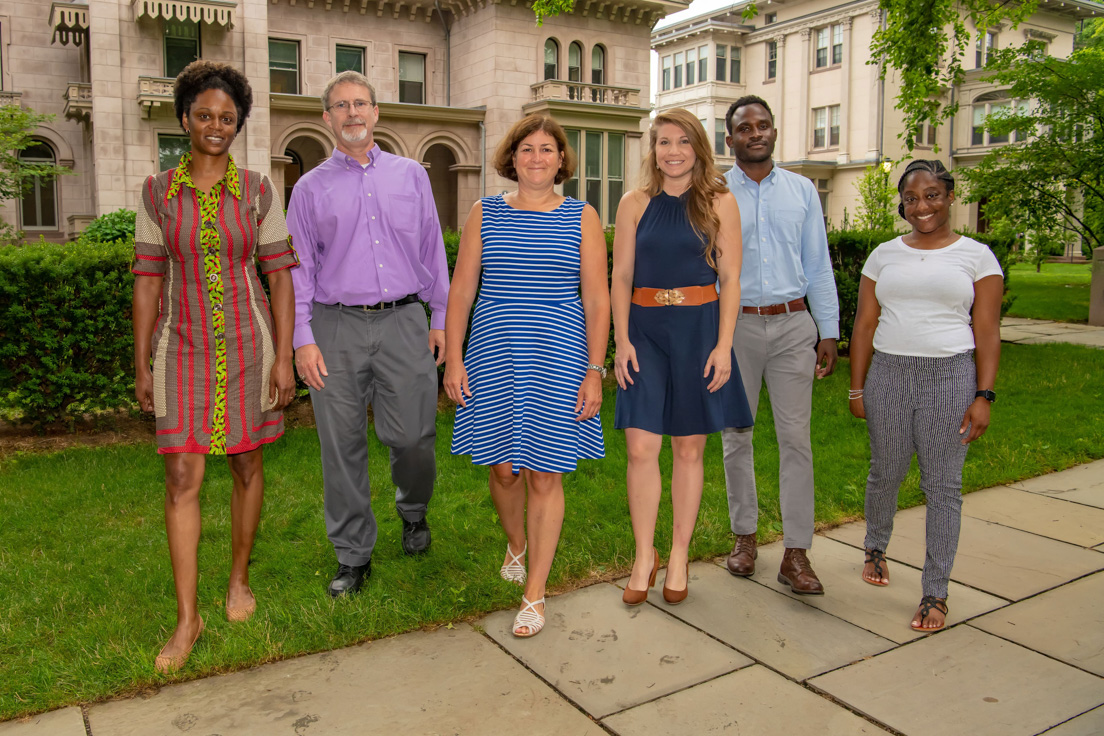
{"x": 358, "y": 105}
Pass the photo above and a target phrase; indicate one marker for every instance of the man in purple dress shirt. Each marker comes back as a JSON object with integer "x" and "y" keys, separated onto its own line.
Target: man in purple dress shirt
{"x": 369, "y": 242}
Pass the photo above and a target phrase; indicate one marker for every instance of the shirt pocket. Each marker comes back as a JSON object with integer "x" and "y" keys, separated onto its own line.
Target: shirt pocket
{"x": 403, "y": 213}
{"x": 786, "y": 224}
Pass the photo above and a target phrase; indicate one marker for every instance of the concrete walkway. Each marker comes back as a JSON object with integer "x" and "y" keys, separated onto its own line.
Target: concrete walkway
{"x": 1034, "y": 331}
{"x": 1023, "y": 652}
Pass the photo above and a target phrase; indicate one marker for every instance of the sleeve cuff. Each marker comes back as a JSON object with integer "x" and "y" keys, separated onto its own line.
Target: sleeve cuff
{"x": 828, "y": 330}
{"x": 437, "y": 320}
{"x": 303, "y": 335}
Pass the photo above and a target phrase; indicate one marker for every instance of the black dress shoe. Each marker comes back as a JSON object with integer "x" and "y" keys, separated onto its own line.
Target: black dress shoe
{"x": 349, "y": 578}
{"x": 415, "y": 536}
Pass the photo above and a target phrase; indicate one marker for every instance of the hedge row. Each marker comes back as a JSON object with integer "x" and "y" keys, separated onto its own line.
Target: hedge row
{"x": 65, "y": 331}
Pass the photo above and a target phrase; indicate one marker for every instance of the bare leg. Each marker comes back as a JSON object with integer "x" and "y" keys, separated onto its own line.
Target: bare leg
{"x": 183, "y": 478}
{"x": 644, "y": 486}
{"x": 544, "y": 520}
{"x": 686, "y": 492}
{"x": 508, "y": 494}
{"x": 247, "y": 470}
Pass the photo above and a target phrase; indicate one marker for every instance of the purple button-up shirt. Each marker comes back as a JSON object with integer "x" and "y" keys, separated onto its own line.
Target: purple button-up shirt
{"x": 365, "y": 235}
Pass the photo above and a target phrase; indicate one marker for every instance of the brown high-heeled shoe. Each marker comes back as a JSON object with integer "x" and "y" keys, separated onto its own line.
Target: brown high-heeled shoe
{"x": 674, "y": 597}
{"x": 165, "y": 663}
{"x": 636, "y": 597}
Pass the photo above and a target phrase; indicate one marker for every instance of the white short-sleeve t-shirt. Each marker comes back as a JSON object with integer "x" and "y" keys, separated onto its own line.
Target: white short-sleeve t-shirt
{"x": 926, "y": 296}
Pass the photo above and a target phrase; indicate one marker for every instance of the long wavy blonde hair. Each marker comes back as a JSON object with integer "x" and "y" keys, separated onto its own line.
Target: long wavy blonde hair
{"x": 706, "y": 181}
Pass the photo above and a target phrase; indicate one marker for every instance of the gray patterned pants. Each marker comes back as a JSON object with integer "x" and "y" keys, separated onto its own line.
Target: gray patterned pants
{"x": 916, "y": 404}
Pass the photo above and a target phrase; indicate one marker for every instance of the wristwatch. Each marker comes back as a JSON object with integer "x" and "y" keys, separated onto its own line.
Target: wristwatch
{"x": 988, "y": 395}
{"x": 595, "y": 367}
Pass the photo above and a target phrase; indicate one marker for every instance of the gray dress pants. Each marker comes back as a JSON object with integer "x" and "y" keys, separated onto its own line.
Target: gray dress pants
{"x": 380, "y": 359}
{"x": 780, "y": 349}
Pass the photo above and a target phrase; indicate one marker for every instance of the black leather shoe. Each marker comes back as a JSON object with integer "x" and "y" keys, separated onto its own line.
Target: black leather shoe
{"x": 415, "y": 536}
{"x": 349, "y": 578}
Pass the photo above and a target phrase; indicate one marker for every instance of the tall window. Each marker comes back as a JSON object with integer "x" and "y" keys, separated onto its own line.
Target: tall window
{"x": 986, "y": 44}
{"x": 600, "y": 178}
{"x": 170, "y": 148}
{"x": 837, "y": 44}
{"x": 691, "y": 65}
{"x": 38, "y": 206}
{"x": 678, "y": 69}
{"x": 703, "y": 63}
{"x": 592, "y": 170}
{"x": 719, "y": 146}
{"x": 615, "y": 174}
{"x": 822, "y": 47}
{"x": 772, "y": 59}
{"x": 551, "y": 59}
{"x": 734, "y": 66}
{"x": 666, "y": 73}
{"x": 826, "y": 126}
{"x": 598, "y": 65}
{"x": 283, "y": 66}
{"x": 412, "y": 77}
{"x": 181, "y": 45}
{"x": 829, "y": 46}
{"x": 722, "y": 63}
{"x": 349, "y": 58}
{"x": 575, "y": 62}
{"x": 995, "y": 103}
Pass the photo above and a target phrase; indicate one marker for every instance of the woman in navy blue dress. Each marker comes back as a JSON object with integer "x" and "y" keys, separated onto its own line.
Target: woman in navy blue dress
{"x": 678, "y": 239}
{"x": 529, "y": 387}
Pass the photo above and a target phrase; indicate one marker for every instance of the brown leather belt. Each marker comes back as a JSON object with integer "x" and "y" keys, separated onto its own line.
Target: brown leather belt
{"x": 797, "y": 305}
{"x": 686, "y": 296}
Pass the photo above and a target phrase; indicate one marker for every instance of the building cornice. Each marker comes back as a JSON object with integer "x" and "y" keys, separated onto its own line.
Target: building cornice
{"x": 211, "y": 12}
{"x": 388, "y": 110}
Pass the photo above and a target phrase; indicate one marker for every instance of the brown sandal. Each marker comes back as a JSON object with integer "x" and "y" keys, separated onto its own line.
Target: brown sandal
{"x": 927, "y": 604}
{"x": 875, "y": 557}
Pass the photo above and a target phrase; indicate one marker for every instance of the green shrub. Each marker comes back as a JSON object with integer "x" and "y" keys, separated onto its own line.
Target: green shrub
{"x": 109, "y": 228}
{"x": 849, "y": 249}
{"x": 65, "y": 332}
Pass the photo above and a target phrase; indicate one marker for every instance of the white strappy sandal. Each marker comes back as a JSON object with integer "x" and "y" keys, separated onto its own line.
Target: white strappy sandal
{"x": 529, "y": 618}
{"x": 513, "y": 570}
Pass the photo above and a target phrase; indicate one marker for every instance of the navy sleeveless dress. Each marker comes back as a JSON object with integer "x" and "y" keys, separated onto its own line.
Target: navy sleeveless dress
{"x": 527, "y": 354}
{"x": 669, "y": 395}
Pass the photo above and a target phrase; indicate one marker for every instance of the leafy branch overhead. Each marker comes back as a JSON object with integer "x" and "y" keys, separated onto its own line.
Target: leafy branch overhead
{"x": 16, "y": 175}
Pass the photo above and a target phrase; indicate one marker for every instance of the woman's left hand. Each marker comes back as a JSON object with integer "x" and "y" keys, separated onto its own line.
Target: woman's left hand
{"x": 281, "y": 385}
{"x": 976, "y": 420}
{"x": 720, "y": 360}
{"x": 590, "y": 396}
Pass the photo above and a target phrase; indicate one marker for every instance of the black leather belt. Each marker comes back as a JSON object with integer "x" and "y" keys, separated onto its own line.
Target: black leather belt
{"x": 379, "y": 307}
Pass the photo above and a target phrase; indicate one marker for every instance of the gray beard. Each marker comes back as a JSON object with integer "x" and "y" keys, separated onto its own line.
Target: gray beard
{"x": 356, "y": 137}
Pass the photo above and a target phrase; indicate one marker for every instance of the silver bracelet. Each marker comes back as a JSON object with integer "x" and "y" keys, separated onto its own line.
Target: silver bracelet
{"x": 854, "y": 393}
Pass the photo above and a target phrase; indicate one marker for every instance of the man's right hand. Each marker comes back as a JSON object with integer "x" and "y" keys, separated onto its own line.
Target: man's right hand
{"x": 311, "y": 366}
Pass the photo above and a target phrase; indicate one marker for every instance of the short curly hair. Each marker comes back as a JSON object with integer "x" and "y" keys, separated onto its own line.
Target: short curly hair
{"x": 503, "y": 161}
{"x": 200, "y": 76}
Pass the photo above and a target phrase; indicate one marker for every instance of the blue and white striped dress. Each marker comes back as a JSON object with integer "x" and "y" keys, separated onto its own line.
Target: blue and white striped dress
{"x": 527, "y": 354}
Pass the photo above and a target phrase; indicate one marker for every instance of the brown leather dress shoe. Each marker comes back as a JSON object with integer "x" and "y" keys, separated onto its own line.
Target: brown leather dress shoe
{"x": 797, "y": 573}
{"x": 742, "y": 560}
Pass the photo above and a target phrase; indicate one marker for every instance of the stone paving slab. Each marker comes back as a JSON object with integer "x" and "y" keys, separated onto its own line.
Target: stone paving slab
{"x": 64, "y": 722}
{"x": 790, "y": 637}
{"x": 964, "y": 681}
{"x": 1089, "y": 724}
{"x": 751, "y": 701}
{"x": 441, "y": 682}
{"x": 1035, "y": 513}
{"x": 1012, "y": 321}
{"x": 1088, "y": 339}
{"x": 1082, "y": 484}
{"x": 607, "y": 657}
{"x": 884, "y": 611}
{"x": 1010, "y": 563}
{"x": 1066, "y": 623}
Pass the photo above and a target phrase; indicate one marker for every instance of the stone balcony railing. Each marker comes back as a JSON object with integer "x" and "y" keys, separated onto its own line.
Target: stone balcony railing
{"x": 78, "y": 101}
{"x": 10, "y": 98}
{"x": 153, "y": 92}
{"x": 602, "y": 94}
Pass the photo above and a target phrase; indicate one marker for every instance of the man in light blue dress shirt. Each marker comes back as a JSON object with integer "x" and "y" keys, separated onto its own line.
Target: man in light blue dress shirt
{"x": 776, "y": 339}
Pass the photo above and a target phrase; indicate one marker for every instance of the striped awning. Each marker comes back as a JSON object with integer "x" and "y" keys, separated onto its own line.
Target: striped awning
{"x": 212, "y": 12}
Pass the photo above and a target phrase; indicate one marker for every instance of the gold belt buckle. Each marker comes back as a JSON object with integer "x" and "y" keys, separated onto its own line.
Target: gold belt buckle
{"x": 670, "y": 297}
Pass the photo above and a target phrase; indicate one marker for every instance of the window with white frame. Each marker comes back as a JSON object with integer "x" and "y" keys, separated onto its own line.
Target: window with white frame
{"x": 597, "y": 65}
{"x": 837, "y": 44}
{"x": 600, "y": 176}
{"x": 826, "y": 126}
{"x": 770, "y": 18}
{"x": 983, "y": 51}
{"x": 412, "y": 77}
{"x": 719, "y": 132}
{"x": 575, "y": 62}
{"x": 734, "y": 65}
{"x": 679, "y": 60}
{"x": 829, "y": 46}
{"x": 925, "y": 135}
{"x": 666, "y": 73}
{"x": 551, "y": 59}
{"x": 691, "y": 65}
{"x": 181, "y": 45}
{"x": 722, "y": 63}
{"x": 703, "y": 63}
{"x": 772, "y": 59}
{"x": 283, "y": 66}
{"x": 38, "y": 208}
{"x": 996, "y": 103}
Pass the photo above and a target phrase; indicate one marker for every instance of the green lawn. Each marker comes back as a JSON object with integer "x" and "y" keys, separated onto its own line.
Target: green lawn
{"x": 1059, "y": 292}
{"x": 87, "y": 593}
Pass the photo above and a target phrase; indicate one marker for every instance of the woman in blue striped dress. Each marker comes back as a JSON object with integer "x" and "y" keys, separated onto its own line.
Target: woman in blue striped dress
{"x": 529, "y": 392}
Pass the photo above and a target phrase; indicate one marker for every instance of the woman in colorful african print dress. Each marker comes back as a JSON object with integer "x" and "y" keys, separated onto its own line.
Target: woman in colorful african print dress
{"x": 221, "y": 358}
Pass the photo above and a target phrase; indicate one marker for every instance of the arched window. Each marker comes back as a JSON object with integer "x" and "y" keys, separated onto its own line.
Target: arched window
{"x": 551, "y": 59}
{"x": 598, "y": 65}
{"x": 38, "y": 206}
{"x": 575, "y": 62}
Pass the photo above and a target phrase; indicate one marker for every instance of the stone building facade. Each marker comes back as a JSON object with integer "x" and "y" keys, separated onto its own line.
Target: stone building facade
{"x": 451, "y": 77}
{"x": 809, "y": 59}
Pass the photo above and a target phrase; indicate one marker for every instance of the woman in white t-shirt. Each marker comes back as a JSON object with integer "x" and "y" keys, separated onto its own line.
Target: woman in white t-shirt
{"x": 924, "y": 355}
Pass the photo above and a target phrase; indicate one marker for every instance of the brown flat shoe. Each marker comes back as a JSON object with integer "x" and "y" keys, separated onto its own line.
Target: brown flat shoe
{"x": 675, "y": 597}
{"x": 636, "y": 597}
{"x": 166, "y": 664}
{"x": 797, "y": 573}
{"x": 244, "y": 613}
{"x": 742, "y": 560}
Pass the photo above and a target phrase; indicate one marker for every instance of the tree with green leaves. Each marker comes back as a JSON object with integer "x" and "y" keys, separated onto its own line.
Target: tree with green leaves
{"x": 1051, "y": 178}
{"x": 877, "y": 198}
{"x": 17, "y": 175}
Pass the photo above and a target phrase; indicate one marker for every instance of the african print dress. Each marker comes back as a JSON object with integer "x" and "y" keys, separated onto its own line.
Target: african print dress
{"x": 213, "y": 344}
